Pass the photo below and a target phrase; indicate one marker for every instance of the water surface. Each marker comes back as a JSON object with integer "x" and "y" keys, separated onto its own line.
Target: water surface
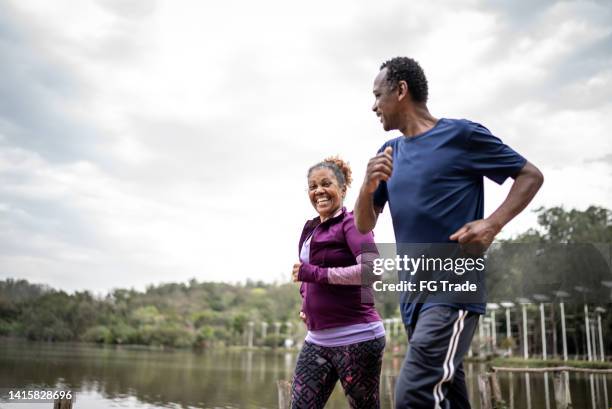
{"x": 128, "y": 377}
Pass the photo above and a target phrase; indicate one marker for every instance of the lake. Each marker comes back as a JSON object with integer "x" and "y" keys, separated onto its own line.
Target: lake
{"x": 131, "y": 377}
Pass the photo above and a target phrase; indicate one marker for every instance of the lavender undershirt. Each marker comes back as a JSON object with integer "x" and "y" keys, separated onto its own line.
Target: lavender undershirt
{"x": 349, "y": 334}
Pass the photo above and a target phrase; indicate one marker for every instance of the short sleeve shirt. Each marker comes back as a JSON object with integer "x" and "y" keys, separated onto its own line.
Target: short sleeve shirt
{"x": 437, "y": 183}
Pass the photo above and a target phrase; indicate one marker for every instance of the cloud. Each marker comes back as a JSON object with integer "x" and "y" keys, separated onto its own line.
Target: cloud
{"x": 607, "y": 159}
{"x": 33, "y": 90}
{"x": 129, "y": 9}
{"x": 158, "y": 141}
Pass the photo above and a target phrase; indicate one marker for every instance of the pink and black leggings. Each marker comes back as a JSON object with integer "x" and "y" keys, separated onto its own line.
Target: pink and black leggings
{"x": 357, "y": 366}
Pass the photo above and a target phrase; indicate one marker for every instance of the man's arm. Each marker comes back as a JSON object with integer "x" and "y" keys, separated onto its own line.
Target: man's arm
{"x": 366, "y": 214}
{"x": 379, "y": 169}
{"x": 482, "y": 232}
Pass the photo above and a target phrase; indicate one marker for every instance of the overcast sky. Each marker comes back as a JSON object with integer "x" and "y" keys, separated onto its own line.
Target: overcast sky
{"x": 151, "y": 141}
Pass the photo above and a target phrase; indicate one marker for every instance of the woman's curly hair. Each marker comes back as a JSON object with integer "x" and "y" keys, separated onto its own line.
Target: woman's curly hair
{"x": 342, "y": 170}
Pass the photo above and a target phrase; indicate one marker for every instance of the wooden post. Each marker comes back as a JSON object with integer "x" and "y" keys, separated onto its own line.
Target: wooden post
{"x": 62, "y": 404}
{"x": 284, "y": 394}
{"x": 562, "y": 393}
{"x": 485, "y": 391}
{"x": 498, "y": 402}
{"x": 391, "y": 379}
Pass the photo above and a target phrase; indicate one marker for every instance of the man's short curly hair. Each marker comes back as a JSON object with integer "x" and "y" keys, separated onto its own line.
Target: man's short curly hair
{"x": 407, "y": 69}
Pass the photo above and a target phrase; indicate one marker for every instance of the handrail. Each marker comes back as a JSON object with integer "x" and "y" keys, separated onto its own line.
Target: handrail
{"x": 551, "y": 369}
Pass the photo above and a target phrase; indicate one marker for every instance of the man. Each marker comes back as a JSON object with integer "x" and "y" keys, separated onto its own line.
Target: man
{"x": 432, "y": 177}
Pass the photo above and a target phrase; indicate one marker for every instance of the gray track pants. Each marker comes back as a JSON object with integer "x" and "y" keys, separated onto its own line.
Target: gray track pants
{"x": 432, "y": 375}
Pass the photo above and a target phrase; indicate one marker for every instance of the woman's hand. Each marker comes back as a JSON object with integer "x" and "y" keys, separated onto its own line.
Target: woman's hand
{"x": 296, "y": 271}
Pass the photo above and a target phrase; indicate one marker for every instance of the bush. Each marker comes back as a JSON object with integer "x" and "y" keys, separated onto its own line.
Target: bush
{"x": 205, "y": 336}
{"x": 123, "y": 334}
{"x": 99, "y": 334}
{"x": 274, "y": 341}
{"x": 507, "y": 343}
{"x": 173, "y": 335}
{"x": 8, "y": 328}
{"x": 202, "y": 318}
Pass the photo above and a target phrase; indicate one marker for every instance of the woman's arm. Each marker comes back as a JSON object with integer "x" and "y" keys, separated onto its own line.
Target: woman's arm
{"x": 364, "y": 250}
{"x": 357, "y": 274}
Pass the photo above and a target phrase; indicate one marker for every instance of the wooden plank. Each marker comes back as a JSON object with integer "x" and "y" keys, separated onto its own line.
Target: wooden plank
{"x": 552, "y": 369}
{"x": 562, "y": 392}
{"x": 485, "y": 391}
{"x": 496, "y": 395}
{"x": 391, "y": 380}
{"x": 62, "y": 404}
{"x": 284, "y": 394}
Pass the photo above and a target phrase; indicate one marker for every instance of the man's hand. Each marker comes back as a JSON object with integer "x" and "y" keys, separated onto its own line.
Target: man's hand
{"x": 296, "y": 271}
{"x": 477, "y": 236}
{"x": 379, "y": 169}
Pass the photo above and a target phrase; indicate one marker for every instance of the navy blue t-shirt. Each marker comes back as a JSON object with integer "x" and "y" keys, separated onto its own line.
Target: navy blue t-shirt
{"x": 437, "y": 186}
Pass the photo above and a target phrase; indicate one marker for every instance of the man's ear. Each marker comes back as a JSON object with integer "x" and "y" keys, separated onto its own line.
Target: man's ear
{"x": 402, "y": 90}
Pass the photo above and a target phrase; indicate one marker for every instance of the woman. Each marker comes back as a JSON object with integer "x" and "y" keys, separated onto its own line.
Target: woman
{"x": 346, "y": 337}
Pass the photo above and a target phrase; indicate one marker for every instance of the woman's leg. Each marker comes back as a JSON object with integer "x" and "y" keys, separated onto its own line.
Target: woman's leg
{"x": 314, "y": 378}
{"x": 358, "y": 367}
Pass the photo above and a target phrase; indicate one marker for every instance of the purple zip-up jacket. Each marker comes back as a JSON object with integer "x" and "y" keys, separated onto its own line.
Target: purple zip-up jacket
{"x": 335, "y": 243}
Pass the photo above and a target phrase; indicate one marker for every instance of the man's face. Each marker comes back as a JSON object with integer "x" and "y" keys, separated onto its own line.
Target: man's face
{"x": 386, "y": 103}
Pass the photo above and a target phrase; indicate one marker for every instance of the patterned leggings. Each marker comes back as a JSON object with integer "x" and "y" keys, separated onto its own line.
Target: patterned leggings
{"x": 356, "y": 365}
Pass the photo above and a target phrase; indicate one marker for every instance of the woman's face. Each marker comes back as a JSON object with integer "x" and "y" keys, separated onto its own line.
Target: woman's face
{"x": 325, "y": 193}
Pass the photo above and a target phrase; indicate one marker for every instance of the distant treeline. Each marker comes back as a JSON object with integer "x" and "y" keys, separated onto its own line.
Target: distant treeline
{"x": 177, "y": 314}
{"x": 204, "y": 313}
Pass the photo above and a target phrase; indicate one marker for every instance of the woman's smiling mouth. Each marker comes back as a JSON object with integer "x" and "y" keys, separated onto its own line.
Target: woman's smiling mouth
{"x": 323, "y": 201}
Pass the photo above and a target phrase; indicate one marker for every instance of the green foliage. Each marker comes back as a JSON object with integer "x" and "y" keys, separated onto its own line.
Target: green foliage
{"x": 173, "y": 315}
{"x": 507, "y": 343}
{"x": 122, "y": 333}
{"x": 273, "y": 341}
{"x": 208, "y": 317}
{"x": 9, "y": 328}
{"x": 99, "y": 334}
{"x": 167, "y": 334}
{"x": 239, "y": 323}
{"x": 148, "y": 315}
{"x": 593, "y": 225}
{"x": 571, "y": 250}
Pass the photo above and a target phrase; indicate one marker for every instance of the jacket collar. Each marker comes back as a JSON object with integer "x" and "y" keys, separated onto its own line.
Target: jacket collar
{"x": 335, "y": 218}
{"x": 312, "y": 224}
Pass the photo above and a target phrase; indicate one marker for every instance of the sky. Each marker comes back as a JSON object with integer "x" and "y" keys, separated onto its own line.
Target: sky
{"x": 144, "y": 142}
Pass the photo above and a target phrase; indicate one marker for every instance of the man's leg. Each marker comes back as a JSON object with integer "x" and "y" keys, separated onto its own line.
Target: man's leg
{"x": 457, "y": 393}
{"x": 314, "y": 378}
{"x": 440, "y": 339}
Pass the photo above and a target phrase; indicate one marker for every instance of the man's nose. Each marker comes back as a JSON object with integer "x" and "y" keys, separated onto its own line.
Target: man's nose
{"x": 374, "y": 107}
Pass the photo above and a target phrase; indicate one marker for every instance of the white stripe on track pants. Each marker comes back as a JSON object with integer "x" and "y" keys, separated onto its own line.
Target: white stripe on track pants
{"x": 432, "y": 375}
